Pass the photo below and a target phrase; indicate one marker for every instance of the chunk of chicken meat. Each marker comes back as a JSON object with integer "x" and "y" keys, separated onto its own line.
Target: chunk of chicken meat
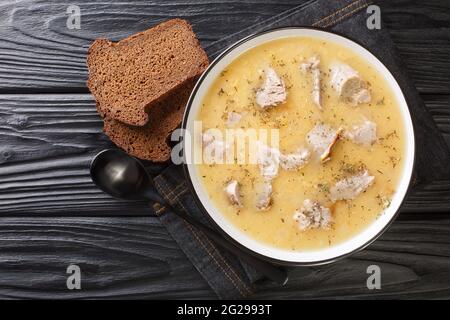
{"x": 349, "y": 188}
{"x": 312, "y": 215}
{"x": 263, "y": 196}
{"x": 273, "y": 91}
{"x": 294, "y": 161}
{"x": 233, "y": 118}
{"x": 214, "y": 150}
{"x": 232, "y": 192}
{"x": 349, "y": 85}
{"x": 312, "y": 65}
{"x": 322, "y": 138}
{"x": 268, "y": 161}
{"x": 207, "y": 139}
{"x": 364, "y": 134}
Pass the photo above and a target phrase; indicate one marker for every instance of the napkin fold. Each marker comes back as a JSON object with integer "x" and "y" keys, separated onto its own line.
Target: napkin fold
{"x": 229, "y": 277}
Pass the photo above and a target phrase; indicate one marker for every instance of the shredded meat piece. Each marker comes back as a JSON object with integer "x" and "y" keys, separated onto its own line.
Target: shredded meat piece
{"x": 349, "y": 188}
{"x": 294, "y": 161}
{"x": 273, "y": 91}
{"x": 232, "y": 192}
{"x": 349, "y": 85}
{"x": 312, "y": 215}
{"x": 322, "y": 138}
{"x": 312, "y": 65}
{"x": 263, "y": 196}
{"x": 364, "y": 134}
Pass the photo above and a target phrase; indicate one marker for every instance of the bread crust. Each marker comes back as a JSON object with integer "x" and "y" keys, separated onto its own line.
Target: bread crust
{"x": 130, "y": 77}
{"x": 150, "y": 142}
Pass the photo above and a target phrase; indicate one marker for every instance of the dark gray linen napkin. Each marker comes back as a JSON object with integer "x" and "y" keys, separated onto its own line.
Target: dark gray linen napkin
{"x": 228, "y": 276}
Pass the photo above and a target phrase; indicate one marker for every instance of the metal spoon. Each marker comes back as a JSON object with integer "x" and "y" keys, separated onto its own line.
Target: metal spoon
{"x": 125, "y": 177}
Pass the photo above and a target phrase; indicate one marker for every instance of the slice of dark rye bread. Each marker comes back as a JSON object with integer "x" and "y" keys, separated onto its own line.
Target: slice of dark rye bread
{"x": 128, "y": 77}
{"x": 150, "y": 141}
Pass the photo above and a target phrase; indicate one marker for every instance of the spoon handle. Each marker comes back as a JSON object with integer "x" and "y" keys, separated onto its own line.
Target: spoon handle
{"x": 278, "y": 275}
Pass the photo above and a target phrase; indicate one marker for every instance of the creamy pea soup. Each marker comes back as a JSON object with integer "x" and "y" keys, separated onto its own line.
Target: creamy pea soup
{"x": 235, "y": 91}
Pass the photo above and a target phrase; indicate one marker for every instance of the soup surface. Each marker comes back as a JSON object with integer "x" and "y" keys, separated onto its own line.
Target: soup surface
{"x": 234, "y": 91}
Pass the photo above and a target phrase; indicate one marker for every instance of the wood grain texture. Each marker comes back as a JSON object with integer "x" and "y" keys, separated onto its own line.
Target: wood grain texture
{"x": 46, "y": 145}
{"x": 40, "y": 54}
{"x": 48, "y": 141}
{"x": 126, "y": 257}
{"x": 118, "y": 258}
{"x": 421, "y": 31}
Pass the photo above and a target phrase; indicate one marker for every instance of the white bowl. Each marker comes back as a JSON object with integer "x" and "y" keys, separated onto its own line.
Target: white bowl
{"x": 266, "y": 251}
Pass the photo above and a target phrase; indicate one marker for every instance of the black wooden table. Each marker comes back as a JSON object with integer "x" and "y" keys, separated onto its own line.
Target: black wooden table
{"x": 51, "y": 215}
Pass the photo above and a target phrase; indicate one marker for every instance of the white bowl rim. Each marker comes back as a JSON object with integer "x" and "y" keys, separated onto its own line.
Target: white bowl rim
{"x": 233, "y": 233}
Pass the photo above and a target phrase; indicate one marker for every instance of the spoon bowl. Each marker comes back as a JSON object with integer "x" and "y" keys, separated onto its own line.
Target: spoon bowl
{"x": 120, "y": 175}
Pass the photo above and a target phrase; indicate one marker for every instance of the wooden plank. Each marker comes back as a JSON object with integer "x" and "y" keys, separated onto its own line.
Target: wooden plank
{"x": 118, "y": 258}
{"x": 134, "y": 257}
{"x": 421, "y": 31}
{"x": 48, "y": 141}
{"x": 38, "y": 53}
{"x": 46, "y": 145}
